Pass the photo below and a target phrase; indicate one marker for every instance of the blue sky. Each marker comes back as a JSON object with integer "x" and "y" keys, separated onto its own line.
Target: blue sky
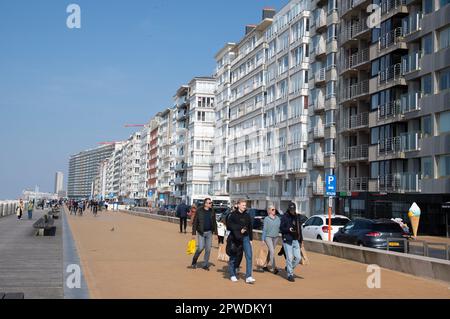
{"x": 64, "y": 90}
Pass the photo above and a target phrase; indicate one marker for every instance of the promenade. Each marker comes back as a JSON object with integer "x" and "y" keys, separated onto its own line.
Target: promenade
{"x": 125, "y": 256}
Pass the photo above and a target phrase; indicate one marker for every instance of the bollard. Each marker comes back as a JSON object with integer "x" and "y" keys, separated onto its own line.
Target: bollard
{"x": 1, "y": 210}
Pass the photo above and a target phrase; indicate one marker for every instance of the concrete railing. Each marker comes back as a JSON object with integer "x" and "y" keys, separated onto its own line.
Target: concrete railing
{"x": 8, "y": 208}
{"x": 425, "y": 267}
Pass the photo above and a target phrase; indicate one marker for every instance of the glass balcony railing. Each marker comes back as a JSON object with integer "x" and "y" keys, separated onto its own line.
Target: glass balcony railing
{"x": 355, "y": 184}
{"x": 399, "y": 182}
{"x": 411, "y": 62}
{"x": 412, "y": 23}
{"x": 404, "y": 143}
{"x": 410, "y": 102}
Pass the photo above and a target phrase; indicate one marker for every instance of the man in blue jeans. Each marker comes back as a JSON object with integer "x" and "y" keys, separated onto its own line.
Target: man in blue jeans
{"x": 204, "y": 226}
{"x": 291, "y": 231}
{"x": 239, "y": 242}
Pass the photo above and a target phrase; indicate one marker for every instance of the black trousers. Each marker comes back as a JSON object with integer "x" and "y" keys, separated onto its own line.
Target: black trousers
{"x": 221, "y": 239}
{"x": 183, "y": 222}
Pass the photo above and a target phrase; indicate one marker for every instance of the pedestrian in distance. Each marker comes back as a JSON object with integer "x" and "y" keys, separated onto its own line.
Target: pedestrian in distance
{"x": 239, "y": 242}
{"x": 221, "y": 230}
{"x": 182, "y": 213}
{"x": 94, "y": 208}
{"x": 30, "y": 209}
{"x": 20, "y": 208}
{"x": 271, "y": 230}
{"x": 204, "y": 226}
{"x": 291, "y": 231}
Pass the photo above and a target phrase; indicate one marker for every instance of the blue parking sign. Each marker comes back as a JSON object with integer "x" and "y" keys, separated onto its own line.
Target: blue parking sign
{"x": 330, "y": 185}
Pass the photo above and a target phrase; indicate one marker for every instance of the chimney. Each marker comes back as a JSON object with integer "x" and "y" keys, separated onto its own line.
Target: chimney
{"x": 268, "y": 13}
{"x": 249, "y": 28}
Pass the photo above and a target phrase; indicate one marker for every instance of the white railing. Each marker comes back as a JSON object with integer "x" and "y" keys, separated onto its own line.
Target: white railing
{"x": 357, "y": 58}
{"x": 403, "y": 143}
{"x": 399, "y": 182}
{"x": 317, "y": 188}
{"x": 391, "y": 38}
{"x": 391, "y": 74}
{"x": 319, "y": 131}
{"x": 320, "y": 47}
{"x": 389, "y": 110}
{"x": 358, "y": 152}
{"x": 356, "y": 121}
{"x": 321, "y": 19}
{"x": 350, "y": 32}
{"x": 356, "y": 184}
{"x": 320, "y": 75}
{"x": 317, "y": 159}
{"x": 388, "y": 6}
{"x": 355, "y": 90}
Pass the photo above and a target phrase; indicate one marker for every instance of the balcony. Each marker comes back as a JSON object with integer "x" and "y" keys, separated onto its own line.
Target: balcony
{"x": 321, "y": 20}
{"x": 355, "y": 122}
{"x": 400, "y": 183}
{"x": 319, "y": 49}
{"x": 355, "y": 91}
{"x": 317, "y": 160}
{"x": 357, "y": 59}
{"x": 317, "y": 189}
{"x": 354, "y": 31}
{"x": 391, "y": 75}
{"x": 180, "y": 167}
{"x": 180, "y": 180}
{"x": 389, "y": 111}
{"x": 391, "y": 39}
{"x": 390, "y": 6}
{"x": 411, "y": 62}
{"x": 412, "y": 23}
{"x": 410, "y": 102}
{"x": 319, "y": 77}
{"x": 319, "y": 132}
{"x": 355, "y": 184}
{"x": 356, "y": 153}
{"x": 406, "y": 142}
{"x": 318, "y": 104}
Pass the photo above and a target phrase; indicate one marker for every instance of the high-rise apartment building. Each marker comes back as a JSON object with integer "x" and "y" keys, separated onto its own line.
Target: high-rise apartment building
{"x": 59, "y": 183}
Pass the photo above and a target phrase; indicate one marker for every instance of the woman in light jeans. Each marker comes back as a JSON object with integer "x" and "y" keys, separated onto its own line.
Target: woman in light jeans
{"x": 270, "y": 235}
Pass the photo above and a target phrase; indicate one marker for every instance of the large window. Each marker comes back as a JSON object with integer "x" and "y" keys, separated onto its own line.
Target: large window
{"x": 427, "y": 167}
{"x": 427, "y": 125}
{"x": 331, "y": 32}
{"x": 330, "y": 118}
{"x": 444, "y": 165}
{"x": 427, "y": 84}
{"x": 444, "y": 79}
{"x": 330, "y": 89}
{"x": 428, "y": 6}
{"x": 427, "y": 44}
{"x": 444, "y": 38}
{"x": 444, "y": 122}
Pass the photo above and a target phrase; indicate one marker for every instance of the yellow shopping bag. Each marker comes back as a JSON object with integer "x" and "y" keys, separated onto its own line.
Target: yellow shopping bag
{"x": 191, "y": 247}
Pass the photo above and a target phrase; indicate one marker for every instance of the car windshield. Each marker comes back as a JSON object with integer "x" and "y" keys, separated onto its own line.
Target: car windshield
{"x": 338, "y": 221}
{"x": 388, "y": 228}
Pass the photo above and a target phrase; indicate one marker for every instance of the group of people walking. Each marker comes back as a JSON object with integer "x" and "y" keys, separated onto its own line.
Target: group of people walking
{"x": 80, "y": 207}
{"x": 239, "y": 243}
{"x": 21, "y": 209}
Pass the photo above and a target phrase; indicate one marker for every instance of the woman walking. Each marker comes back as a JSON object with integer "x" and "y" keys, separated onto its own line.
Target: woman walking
{"x": 30, "y": 209}
{"x": 270, "y": 235}
{"x": 20, "y": 208}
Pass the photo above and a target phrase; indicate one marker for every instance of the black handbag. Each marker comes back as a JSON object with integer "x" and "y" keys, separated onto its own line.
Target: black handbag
{"x": 232, "y": 248}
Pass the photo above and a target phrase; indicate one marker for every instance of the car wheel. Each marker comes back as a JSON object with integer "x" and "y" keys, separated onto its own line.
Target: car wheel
{"x": 360, "y": 244}
{"x": 319, "y": 238}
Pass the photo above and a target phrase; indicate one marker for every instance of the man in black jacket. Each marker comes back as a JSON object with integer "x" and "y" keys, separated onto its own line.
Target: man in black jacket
{"x": 204, "y": 226}
{"x": 239, "y": 223}
{"x": 181, "y": 213}
{"x": 291, "y": 231}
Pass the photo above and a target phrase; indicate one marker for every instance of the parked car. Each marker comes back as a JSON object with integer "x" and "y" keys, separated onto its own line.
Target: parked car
{"x": 316, "y": 227}
{"x": 372, "y": 233}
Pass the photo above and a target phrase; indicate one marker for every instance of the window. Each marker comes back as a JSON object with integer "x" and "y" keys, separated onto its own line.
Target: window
{"x": 442, "y": 3}
{"x": 330, "y": 89}
{"x": 427, "y": 84}
{"x": 444, "y": 165}
{"x": 427, "y": 125}
{"x": 444, "y": 79}
{"x": 374, "y": 135}
{"x": 427, "y": 44}
{"x": 332, "y": 5}
{"x": 428, "y": 6}
{"x": 331, "y": 32}
{"x": 444, "y": 38}
{"x": 427, "y": 167}
{"x": 329, "y": 118}
{"x": 331, "y": 60}
{"x": 374, "y": 170}
{"x": 329, "y": 146}
{"x": 444, "y": 122}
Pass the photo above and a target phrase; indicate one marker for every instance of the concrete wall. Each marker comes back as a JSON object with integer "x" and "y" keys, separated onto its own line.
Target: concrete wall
{"x": 419, "y": 266}
{"x": 8, "y": 208}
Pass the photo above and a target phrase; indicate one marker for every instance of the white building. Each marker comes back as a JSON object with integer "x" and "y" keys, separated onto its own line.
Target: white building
{"x": 59, "y": 182}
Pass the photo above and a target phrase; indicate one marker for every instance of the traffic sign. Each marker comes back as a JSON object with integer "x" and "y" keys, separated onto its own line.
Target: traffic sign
{"x": 330, "y": 185}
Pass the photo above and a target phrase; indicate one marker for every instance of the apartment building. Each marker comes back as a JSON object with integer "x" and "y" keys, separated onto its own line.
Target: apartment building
{"x": 131, "y": 168}
{"x": 153, "y": 162}
{"x": 284, "y": 165}
{"x": 322, "y": 105}
{"x": 182, "y": 103}
{"x": 222, "y": 76}
{"x": 83, "y": 168}
{"x": 393, "y": 136}
{"x": 200, "y": 137}
{"x": 166, "y": 160}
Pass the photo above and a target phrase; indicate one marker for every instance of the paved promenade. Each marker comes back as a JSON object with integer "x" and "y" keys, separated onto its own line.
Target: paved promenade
{"x": 125, "y": 256}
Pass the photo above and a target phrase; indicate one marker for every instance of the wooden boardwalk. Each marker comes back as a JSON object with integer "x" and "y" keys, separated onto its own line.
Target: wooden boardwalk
{"x": 30, "y": 264}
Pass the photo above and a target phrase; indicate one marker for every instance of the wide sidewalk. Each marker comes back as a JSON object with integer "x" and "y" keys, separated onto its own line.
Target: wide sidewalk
{"x": 125, "y": 256}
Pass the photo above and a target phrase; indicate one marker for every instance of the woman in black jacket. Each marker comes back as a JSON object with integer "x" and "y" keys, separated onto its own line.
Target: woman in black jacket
{"x": 291, "y": 230}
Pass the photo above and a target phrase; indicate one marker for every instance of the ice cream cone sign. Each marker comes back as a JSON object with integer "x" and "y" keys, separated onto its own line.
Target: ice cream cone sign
{"x": 414, "y": 217}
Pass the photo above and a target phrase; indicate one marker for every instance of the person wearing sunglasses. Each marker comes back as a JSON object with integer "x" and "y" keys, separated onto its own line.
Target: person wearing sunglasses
{"x": 204, "y": 226}
{"x": 271, "y": 230}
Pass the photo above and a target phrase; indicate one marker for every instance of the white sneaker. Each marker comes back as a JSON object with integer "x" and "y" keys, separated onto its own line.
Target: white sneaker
{"x": 233, "y": 279}
{"x": 250, "y": 280}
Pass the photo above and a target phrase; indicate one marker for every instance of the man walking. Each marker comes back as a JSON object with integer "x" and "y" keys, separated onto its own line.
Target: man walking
{"x": 182, "y": 214}
{"x": 292, "y": 239}
{"x": 30, "y": 209}
{"x": 239, "y": 223}
{"x": 204, "y": 226}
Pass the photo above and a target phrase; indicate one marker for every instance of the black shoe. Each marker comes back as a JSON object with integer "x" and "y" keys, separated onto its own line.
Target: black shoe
{"x": 193, "y": 266}
{"x": 291, "y": 278}
{"x": 275, "y": 271}
{"x": 206, "y": 268}
{"x": 266, "y": 269}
